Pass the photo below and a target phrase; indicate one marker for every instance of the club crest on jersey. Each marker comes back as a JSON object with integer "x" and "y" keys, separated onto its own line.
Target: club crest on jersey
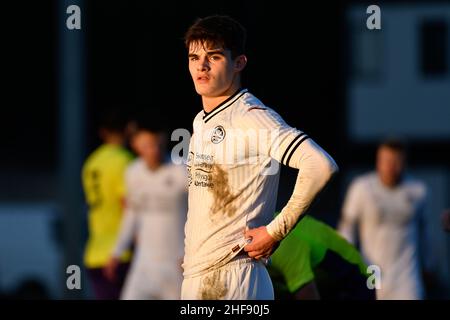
{"x": 218, "y": 134}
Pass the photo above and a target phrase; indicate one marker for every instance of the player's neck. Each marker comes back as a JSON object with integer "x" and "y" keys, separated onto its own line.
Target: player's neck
{"x": 210, "y": 103}
{"x": 390, "y": 183}
{"x": 154, "y": 165}
{"x": 116, "y": 141}
{"x": 111, "y": 137}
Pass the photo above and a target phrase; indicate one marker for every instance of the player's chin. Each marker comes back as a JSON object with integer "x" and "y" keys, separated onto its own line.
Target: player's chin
{"x": 204, "y": 90}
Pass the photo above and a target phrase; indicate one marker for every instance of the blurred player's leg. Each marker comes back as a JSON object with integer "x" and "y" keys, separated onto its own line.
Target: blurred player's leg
{"x": 135, "y": 286}
{"x": 103, "y": 288}
{"x": 152, "y": 283}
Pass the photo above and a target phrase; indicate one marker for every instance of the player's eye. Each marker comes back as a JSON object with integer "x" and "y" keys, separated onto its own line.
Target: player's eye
{"x": 193, "y": 58}
{"x": 215, "y": 57}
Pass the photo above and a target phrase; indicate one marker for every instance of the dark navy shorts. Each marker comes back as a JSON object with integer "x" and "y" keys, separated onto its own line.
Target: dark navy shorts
{"x": 102, "y": 287}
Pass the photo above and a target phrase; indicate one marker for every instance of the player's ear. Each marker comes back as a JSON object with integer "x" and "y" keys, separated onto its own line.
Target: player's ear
{"x": 240, "y": 62}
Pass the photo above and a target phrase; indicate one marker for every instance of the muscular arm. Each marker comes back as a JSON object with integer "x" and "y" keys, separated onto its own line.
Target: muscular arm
{"x": 350, "y": 212}
{"x": 291, "y": 147}
{"x": 123, "y": 242}
{"x": 126, "y": 234}
{"x": 316, "y": 168}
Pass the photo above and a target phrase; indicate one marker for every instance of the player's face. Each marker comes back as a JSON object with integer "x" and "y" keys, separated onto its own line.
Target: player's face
{"x": 213, "y": 70}
{"x": 148, "y": 146}
{"x": 390, "y": 165}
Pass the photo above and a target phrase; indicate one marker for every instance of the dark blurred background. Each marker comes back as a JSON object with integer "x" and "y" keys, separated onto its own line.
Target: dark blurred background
{"x": 315, "y": 62}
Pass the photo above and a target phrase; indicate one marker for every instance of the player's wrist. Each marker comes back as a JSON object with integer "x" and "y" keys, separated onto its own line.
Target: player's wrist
{"x": 272, "y": 233}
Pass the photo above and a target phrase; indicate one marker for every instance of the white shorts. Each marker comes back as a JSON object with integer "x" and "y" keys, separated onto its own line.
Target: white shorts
{"x": 241, "y": 279}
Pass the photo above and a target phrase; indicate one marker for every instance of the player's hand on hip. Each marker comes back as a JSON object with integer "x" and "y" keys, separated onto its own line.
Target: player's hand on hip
{"x": 262, "y": 244}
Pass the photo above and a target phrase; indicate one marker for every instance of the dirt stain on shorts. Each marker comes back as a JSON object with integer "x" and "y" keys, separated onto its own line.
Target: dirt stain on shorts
{"x": 212, "y": 288}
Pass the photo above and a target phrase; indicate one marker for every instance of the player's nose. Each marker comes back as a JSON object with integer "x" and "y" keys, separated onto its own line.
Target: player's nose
{"x": 203, "y": 64}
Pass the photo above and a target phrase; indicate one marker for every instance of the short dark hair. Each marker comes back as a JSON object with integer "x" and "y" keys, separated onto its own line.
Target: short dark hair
{"x": 149, "y": 120}
{"x": 218, "y": 30}
{"x": 150, "y": 129}
{"x": 395, "y": 144}
{"x": 153, "y": 130}
{"x": 113, "y": 120}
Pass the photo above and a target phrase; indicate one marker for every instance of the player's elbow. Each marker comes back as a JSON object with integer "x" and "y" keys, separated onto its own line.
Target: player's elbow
{"x": 328, "y": 168}
{"x": 333, "y": 168}
{"x": 345, "y": 229}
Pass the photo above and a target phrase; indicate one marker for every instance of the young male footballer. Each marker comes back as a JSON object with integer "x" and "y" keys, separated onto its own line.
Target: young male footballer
{"x": 233, "y": 178}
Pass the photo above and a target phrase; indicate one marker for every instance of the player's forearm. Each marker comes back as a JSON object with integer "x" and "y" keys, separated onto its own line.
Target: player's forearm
{"x": 126, "y": 233}
{"x": 316, "y": 168}
{"x": 346, "y": 229}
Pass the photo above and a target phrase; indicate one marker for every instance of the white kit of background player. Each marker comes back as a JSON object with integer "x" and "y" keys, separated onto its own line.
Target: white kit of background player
{"x": 154, "y": 217}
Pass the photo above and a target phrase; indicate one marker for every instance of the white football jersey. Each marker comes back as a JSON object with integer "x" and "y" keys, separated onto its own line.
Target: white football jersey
{"x": 387, "y": 221}
{"x": 155, "y": 213}
{"x": 233, "y": 174}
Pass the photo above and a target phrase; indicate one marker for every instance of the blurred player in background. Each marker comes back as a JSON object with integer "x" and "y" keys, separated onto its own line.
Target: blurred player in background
{"x": 155, "y": 216}
{"x": 386, "y": 209}
{"x": 233, "y": 191}
{"x": 104, "y": 188}
{"x": 315, "y": 262}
